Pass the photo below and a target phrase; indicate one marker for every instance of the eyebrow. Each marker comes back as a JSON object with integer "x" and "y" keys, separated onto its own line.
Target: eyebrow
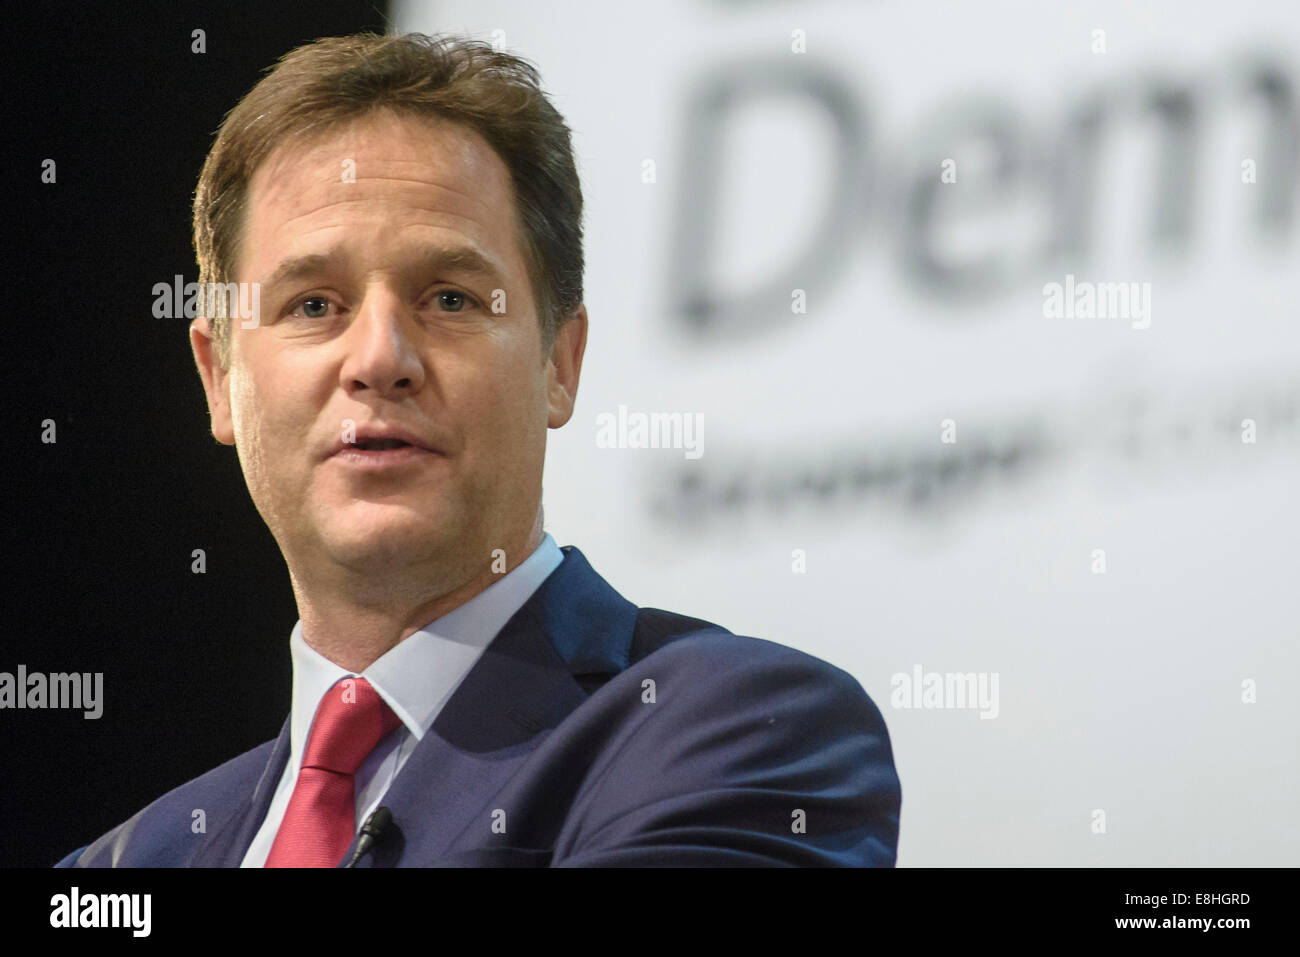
{"x": 460, "y": 258}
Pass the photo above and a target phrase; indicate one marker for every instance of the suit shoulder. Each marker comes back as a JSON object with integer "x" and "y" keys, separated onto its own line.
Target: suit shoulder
{"x": 719, "y": 739}
{"x": 161, "y": 834}
{"x": 693, "y": 644}
{"x": 695, "y": 639}
{"x": 717, "y": 672}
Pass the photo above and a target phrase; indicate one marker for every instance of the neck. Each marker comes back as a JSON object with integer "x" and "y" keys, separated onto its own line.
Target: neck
{"x": 355, "y": 621}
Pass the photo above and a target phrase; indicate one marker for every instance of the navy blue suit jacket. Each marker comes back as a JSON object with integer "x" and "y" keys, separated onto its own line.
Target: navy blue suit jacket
{"x": 593, "y": 733}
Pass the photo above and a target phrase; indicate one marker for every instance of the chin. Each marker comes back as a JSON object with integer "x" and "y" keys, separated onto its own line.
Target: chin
{"x": 395, "y": 538}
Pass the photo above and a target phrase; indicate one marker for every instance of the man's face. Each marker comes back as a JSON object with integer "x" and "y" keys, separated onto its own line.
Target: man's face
{"x": 366, "y": 318}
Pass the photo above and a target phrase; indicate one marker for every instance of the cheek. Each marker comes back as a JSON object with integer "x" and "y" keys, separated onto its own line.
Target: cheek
{"x": 263, "y": 426}
{"x": 486, "y": 390}
{"x": 522, "y": 426}
{"x": 518, "y": 405}
{"x": 244, "y": 420}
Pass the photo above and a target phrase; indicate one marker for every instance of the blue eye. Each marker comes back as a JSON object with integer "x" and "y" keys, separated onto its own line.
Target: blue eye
{"x": 459, "y": 301}
{"x": 310, "y": 305}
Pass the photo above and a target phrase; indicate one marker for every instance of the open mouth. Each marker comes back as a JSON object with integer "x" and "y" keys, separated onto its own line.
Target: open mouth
{"x": 383, "y": 454}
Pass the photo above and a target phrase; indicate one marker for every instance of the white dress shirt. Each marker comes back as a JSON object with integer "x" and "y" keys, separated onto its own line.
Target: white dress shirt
{"x": 415, "y": 678}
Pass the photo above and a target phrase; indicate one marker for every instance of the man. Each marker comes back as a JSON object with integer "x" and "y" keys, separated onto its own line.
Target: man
{"x": 410, "y": 212}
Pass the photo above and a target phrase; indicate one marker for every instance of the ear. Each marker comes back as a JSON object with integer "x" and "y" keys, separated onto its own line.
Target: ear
{"x": 216, "y": 380}
{"x": 565, "y": 367}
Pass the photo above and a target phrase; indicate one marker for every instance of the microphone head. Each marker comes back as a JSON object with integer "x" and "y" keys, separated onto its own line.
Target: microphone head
{"x": 378, "y": 820}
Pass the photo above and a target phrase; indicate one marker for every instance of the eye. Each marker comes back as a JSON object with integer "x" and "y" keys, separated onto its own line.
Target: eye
{"x": 312, "y": 307}
{"x": 453, "y": 300}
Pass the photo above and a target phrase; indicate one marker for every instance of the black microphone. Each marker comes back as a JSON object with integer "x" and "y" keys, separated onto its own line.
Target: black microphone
{"x": 371, "y": 831}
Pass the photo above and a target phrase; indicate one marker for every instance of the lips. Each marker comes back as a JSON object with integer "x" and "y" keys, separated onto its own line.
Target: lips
{"x": 379, "y": 437}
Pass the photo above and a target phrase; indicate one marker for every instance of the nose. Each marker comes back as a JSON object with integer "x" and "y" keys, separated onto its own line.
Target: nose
{"x": 381, "y": 354}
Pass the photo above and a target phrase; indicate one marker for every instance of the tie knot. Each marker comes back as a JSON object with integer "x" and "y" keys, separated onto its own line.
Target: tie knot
{"x": 350, "y": 720}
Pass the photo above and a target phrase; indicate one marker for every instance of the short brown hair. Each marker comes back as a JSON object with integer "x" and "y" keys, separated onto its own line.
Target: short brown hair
{"x": 325, "y": 84}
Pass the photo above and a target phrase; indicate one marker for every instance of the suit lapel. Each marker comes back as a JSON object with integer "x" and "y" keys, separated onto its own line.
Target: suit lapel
{"x": 521, "y": 687}
{"x": 229, "y": 842}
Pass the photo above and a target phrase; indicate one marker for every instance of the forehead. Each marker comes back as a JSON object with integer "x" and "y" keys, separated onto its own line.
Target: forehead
{"x": 377, "y": 175}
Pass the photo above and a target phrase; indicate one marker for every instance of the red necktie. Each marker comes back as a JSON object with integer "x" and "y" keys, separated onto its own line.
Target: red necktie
{"x": 320, "y": 821}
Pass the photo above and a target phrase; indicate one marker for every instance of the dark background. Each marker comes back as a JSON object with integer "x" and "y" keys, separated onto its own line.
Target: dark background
{"x": 103, "y": 522}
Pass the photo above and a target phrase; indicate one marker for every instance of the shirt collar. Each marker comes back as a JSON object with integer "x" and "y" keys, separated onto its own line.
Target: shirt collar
{"x": 419, "y": 674}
